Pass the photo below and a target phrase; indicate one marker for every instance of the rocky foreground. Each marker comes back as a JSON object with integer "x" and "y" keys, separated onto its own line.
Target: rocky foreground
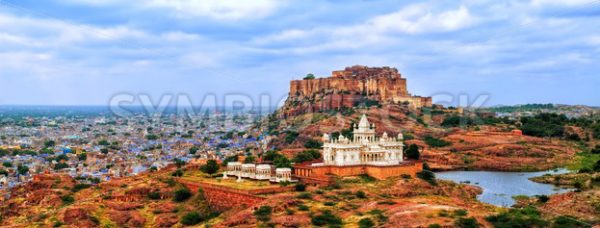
{"x": 156, "y": 200}
{"x": 149, "y": 200}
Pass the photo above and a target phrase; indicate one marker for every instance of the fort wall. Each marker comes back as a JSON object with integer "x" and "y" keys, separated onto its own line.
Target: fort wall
{"x": 322, "y": 174}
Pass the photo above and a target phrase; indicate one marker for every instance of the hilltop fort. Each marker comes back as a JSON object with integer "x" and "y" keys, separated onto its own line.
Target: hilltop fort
{"x": 353, "y": 86}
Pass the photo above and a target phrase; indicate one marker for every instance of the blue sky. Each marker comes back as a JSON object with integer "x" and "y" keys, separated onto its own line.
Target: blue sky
{"x": 84, "y": 52}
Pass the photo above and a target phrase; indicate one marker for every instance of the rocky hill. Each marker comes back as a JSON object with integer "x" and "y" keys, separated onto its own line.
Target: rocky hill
{"x": 330, "y": 105}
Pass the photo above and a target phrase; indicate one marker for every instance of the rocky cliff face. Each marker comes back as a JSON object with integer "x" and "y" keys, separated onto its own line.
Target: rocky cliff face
{"x": 349, "y": 88}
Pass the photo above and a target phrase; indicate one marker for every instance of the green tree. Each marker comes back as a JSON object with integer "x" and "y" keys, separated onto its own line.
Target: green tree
{"x": 366, "y": 223}
{"x": 61, "y": 165}
{"x": 435, "y": 142}
{"x": 597, "y": 166}
{"x": 291, "y": 136}
{"x": 103, "y": 142}
{"x": 309, "y": 77}
{"x": 211, "y": 167}
{"x": 22, "y": 169}
{"x": 326, "y": 218}
{"x": 151, "y": 137}
{"x": 282, "y": 162}
{"x": 193, "y": 150}
{"x": 466, "y": 223}
{"x": 307, "y": 155}
{"x": 428, "y": 176}
{"x": 178, "y": 162}
{"x": 49, "y": 143}
{"x": 412, "y": 152}
{"x": 263, "y": 213}
{"x": 191, "y": 218}
{"x": 249, "y": 159}
{"x": 182, "y": 195}
{"x": 82, "y": 156}
{"x": 313, "y": 144}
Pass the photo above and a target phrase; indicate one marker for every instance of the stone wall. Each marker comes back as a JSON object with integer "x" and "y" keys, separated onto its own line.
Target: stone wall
{"x": 222, "y": 198}
{"x": 322, "y": 174}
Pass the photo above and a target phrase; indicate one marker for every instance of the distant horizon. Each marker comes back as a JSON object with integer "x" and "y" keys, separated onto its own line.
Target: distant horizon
{"x": 275, "y": 107}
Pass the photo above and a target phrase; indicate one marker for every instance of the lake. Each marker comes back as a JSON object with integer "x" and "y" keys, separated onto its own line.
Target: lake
{"x": 500, "y": 187}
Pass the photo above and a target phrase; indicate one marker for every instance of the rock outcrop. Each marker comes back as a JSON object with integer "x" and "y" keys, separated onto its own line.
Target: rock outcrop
{"x": 348, "y": 88}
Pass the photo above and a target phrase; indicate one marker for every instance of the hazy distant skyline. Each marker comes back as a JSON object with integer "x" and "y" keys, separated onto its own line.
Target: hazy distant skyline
{"x": 83, "y": 52}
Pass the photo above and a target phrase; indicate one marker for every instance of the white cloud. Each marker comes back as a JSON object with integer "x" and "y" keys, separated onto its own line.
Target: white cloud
{"x": 417, "y": 19}
{"x": 225, "y": 10}
{"x": 569, "y": 3}
{"x": 412, "y": 20}
{"x": 220, "y": 9}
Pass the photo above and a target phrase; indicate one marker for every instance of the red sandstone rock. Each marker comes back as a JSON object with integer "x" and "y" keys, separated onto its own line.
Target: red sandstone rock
{"x": 73, "y": 215}
{"x": 166, "y": 220}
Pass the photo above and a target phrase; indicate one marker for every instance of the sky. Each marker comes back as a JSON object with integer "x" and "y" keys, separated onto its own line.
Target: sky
{"x": 91, "y": 52}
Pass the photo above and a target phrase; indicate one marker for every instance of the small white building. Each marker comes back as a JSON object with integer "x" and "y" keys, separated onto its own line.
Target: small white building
{"x": 249, "y": 171}
{"x": 258, "y": 172}
{"x": 283, "y": 175}
{"x": 263, "y": 172}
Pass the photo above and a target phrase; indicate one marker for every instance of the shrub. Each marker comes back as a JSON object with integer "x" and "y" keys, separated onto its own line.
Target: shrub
{"x": 426, "y": 166}
{"x": 154, "y": 195}
{"x": 263, "y": 213}
{"x": 178, "y": 162}
{"x": 191, "y": 218}
{"x": 79, "y": 187}
{"x": 597, "y": 166}
{"x": 304, "y": 195}
{"x": 543, "y": 198}
{"x": 435, "y": 142}
{"x": 177, "y": 173}
{"x": 291, "y": 136}
{"x": 568, "y": 221}
{"x": 313, "y": 144}
{"x": 428, "y": 176}
{"x": 309, "y": 77}
{"x": 300, "y": 187}
{"x": 193, "y": 150}
{"x": 282, "y": 162}
{"x": 413, "y": 152}
{"x": 303, "y": 207}
{"x": 326, "y": 218}
{"x": 249, "y": 160}
{"x": 526, "y": 217}
{"x": 466, "y": 223}
{"x": 22, "y": 169}
{"x": 460, "y": 212}
{"x": 361, "y": 195}
{"x": 366, "y": 178}
{"x": 211, "y": 167}
{"x": 68, "y": 199}
{"x": 329, "y": 204}
{"x": 307, "y": 155}
{"x": 182, "y": 195}
{"x": 366, "y": 223}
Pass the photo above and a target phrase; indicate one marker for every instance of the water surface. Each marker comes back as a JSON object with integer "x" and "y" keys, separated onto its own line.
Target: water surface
{"x": 500, "y": 187}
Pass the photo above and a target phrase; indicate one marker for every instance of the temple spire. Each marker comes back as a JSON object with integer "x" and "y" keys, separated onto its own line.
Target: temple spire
{"x": 364, "y": 122}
